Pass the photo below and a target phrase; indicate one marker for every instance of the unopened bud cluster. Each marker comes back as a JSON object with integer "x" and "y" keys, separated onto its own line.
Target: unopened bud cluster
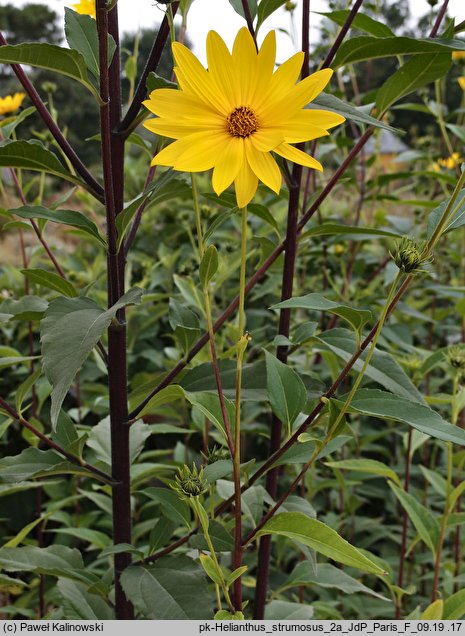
{"x": 189, "y": 482}
{"x": 409, "y": 256}
{"x": 456, "y": 356}
{"x": 215, "y": 454}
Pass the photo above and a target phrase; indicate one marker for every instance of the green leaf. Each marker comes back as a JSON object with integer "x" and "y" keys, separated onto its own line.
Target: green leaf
{"x": 414, "y": 74}
{"x": 209, "y": 405}
{"x": 383, "y": 369}
{"x": 265, "y": 9}
{"x": 32, "y": 155}
{"x": 454, "y": 495}
{"x": 239, "y": 8}
{"x": 169, "y": 394}
{"x": 347, "y": 110}
{"x": 364, "y": 48}
{"x": 349, "y": 232}
{"x": 40, "y": 560}
{"x": 236, "y": 574}
{"x": 361, "y": 21}
{"x": 171, "y": 506}
{"x": 8, "y": 128}
{"x": 79, "y": 604}
{"x": 26, "y": 308}
{"x": 23, "y": 533}
{"x": 220, "y": 537}
{"x": 81, "y": 35}
{"x": 100, "y": 439}
{"x": 210, "y": 569}
{"x": 370, "y": 466}
{"x": 286, "y": 391}
{"x": 433, "y": 612}
{"x": 69, "y": 331}
{"x": 33, "y": 462}
{"x": 328, "y": 576}
{"x": 317, "y": 302}
{"x": 174, "y": 588}
{"x": 422, "y": 519}
{"x": 98, "y": 539}
{"x": 454, "y": 606}
{"x": 457, "y": 219}
{"x": 225, "y": 615}
{"x": 320, "y": 538}
{"x": 208, "y": 265}
{"x": 155, "y": 81}
{"x": 389, "y": 406}
{"x": 287, "y": 611}
{"x": 51, "y": 58}
{"x": 66, "y": 217}
{"x": 10, "y": 357}
{"x": 50, "y": 280}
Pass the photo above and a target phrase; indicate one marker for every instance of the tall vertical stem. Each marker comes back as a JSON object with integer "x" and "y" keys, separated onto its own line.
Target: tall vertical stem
{"x": 242, "y": 344}
{"x": 403, "y": 546}
{"x": 113, "y": 172}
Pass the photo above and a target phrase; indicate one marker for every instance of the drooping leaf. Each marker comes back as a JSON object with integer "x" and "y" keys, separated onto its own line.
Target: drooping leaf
{"x": 365, "y": 47}
{"x": 69, "y": 331}
{"x": 320, "y": 538}
{"x": 72, "y": 218}
{"x": 79, "y": 604}
{"x": 387, "y": 405}
{"x": 361, "y": 21}
{"x": 42, "y": 560}
{"x": 456, "y": 220}
{"x": 286, "y": 391}
{"x": 208, "y": 265}
{"x": 174, "y": 588}
{"x": 434, "y": 611}
{"x": 422, "y": 519}
{"x": 33, "y": 462}
{"x": 317, "y": 302}
{"x": 329, "y": 576}
{"x": 170, "y": 504}
{"x": 265, "y": 9}
{"x": 51, "y": 58}
{"x": 50, "y": 280}
{"x": 454, "y": 606}
{"x": 32, "y": 155}
{"x": 382, "y": 368}
{"x": 347, "y": 110}
{"x": 370, "y": 466}
{"x": 414, "y": 74}
{"x": 100, "y": 439}
{"x": 26, "y": 308}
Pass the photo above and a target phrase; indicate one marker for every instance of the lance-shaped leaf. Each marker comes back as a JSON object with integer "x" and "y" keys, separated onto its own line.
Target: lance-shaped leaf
{"x": 51, "y": 58}
{"x": 286, "y": 391}
{"x": 457, "y": 218}
{"x": 69, "y": 331}
{"x": 320, "y": 538}
{"x": 32, "y": 155}
{"x": 347, "y": 110}
{"x": 81, "y": 35}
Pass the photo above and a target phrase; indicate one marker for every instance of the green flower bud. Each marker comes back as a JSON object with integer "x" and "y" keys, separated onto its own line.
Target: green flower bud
{"x": 215, "y": 454}
{"x": 189, "y": 482}
{"x": 409, "y": 256}
{"x": 456, "y": 356}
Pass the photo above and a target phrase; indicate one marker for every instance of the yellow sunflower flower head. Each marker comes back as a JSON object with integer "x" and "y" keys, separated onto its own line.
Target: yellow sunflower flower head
{"x": 458, "y": 56}
{"x": 461, "y": 81}
{"x": 85, "y": 7}
{"x": 232, "y": 116}
{"x": 11, "y": 103}
{"x": 451, "y": 162}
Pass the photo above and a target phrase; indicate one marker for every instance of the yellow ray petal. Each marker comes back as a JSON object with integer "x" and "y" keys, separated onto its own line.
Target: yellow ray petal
{"x": 228, "y": 165}
{"x": 165, "y": 102}
{"x": 222, "y": 70}
{"x": 264, "y": 166}
{"x": 266, "y": 139}
{"x": 282, "y": 81}
{"x": 310, "y": 87}
{"x": 180, "y": 128}
{"x": 168, "y": 156}
{"x": 202, "y": 153}
{"x": 296, "y": 133}
{"x": 196, "y": 78}
{"x": 244, "y": 56}
{"x": 297, "y": 156}
{"x": 246, "y": 184}
{"x": 322, "y": 118}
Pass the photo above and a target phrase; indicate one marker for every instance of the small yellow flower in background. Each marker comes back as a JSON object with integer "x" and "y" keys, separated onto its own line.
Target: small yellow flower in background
{"x": 233, "y": 115}
{"x": 85, "y": 7}
{"x": 11, "y": 103}
{"x": 461, "y": 81}
{"x": 451, "y": 162}
{"x": 339, "y": 249}
{"x": 458, "y": 55}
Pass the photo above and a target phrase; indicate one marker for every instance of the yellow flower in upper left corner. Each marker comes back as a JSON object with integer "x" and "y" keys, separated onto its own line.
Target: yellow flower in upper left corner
{"x": 232, "y": 116}
{"x": 11, "y": 103}
{"x": 86, "y": 7}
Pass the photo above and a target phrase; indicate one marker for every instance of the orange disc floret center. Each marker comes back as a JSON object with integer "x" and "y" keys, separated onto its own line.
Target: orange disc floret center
{"x": 242, "y": 122}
